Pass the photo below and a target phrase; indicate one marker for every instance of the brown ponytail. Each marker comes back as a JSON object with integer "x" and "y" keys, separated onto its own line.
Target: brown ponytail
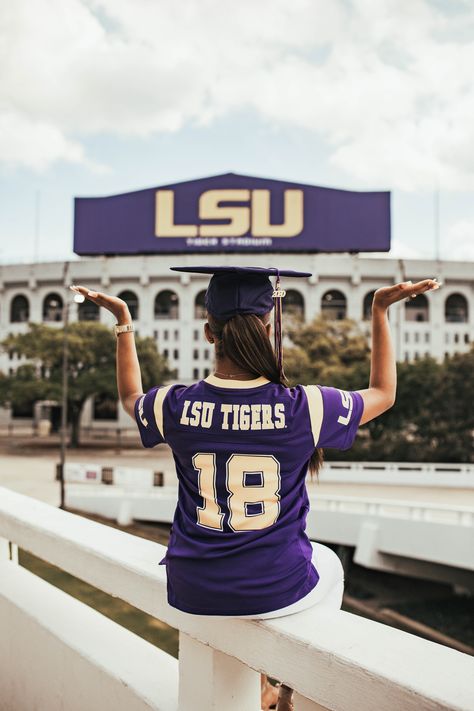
{"x": 244, "y": 340}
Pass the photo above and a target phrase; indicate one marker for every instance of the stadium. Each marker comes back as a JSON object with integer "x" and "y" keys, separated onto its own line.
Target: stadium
{"x": 125, "y": 245}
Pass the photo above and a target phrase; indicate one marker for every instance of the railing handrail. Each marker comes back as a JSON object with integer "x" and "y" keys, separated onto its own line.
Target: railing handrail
{"x": 395, "y": 503}
{"x": 335, "y": 658}
{"x": 407, "y": 466}
{"x": 314, "y": 497}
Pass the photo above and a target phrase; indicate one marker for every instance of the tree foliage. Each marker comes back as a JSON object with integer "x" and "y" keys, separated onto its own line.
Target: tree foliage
{"x": 432, "y": 418}
{"x": 91, "y": 366}
{"x": 327, "y": 352}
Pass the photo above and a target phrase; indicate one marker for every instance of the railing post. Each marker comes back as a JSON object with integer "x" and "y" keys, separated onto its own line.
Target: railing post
{"x": 8, "y": 550}
{"x": 301, "y": 703}
{"x": 118, "y": 440}
{"x": 210, "y": 680}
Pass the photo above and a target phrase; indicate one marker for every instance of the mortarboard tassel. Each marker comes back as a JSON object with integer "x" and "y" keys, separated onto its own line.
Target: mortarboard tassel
{"x": 277, "y": 324}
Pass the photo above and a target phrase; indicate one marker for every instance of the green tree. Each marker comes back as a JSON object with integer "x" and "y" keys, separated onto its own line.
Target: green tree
{"x": 91, "y": 366}
{"x": 432, "y": 418}
{"x": 328, "y": 352}
{"x": 447, "y": 423}
{"x": 398, "y": 433}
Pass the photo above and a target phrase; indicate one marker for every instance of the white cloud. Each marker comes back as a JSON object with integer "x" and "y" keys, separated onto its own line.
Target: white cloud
{"x": 457, "y": 244}
{"x": 386, "y": 83}
{"x": 398, "y": 250}
{"x": 36, "y": 144}
{"x": 460, "y": 238}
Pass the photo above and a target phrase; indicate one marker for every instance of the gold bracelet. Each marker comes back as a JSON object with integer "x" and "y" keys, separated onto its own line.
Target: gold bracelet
{"x": 123, "y": 328}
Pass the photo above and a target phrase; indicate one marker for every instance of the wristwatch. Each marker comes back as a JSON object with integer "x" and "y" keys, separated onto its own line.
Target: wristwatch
{"x": 123, "y": 328}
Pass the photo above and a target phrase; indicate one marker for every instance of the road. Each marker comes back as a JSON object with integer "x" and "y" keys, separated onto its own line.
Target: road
{"x": 31, "y": 471}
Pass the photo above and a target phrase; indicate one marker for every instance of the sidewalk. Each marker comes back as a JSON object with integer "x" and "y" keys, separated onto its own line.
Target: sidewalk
{"x": 29, "y": 467}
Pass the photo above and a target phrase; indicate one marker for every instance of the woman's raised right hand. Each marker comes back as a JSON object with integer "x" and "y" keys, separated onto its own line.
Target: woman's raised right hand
{"x": 387, "y": 295}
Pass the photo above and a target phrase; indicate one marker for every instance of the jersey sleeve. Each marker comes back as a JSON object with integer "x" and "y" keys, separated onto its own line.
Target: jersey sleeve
{"x": 335, "y": 415}
{"x": 149, "y": 416}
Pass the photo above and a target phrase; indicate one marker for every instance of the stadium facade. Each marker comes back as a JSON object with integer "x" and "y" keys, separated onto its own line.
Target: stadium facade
{"x": 169, "y": 306}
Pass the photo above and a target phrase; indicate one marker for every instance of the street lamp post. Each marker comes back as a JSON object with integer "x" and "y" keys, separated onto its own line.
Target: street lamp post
{"x": 78, "y": 298}
{"x": 63, "y": 432}
{"x": 64, "y": 398}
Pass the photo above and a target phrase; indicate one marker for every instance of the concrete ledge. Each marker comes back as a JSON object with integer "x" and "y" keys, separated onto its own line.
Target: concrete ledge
{"x": 339, "y": 660}
{"x": 56, "y": 653}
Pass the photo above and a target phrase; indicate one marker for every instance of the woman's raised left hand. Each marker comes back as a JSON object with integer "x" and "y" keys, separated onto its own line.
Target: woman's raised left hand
{"x": 117, "y": 306}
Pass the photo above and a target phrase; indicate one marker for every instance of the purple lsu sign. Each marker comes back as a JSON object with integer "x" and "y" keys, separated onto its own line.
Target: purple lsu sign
{"x": 233, "y": 213}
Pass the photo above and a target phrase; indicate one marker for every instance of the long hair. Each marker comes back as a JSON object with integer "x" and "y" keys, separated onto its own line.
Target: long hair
{"x": 244, "y": 340}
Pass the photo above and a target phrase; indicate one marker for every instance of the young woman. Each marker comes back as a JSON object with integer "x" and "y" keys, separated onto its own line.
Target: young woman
{"x": 243, "y": 441}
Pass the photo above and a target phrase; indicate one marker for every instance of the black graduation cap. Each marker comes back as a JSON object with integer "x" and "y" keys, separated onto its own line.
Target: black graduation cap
{"x": 245, "y": 290}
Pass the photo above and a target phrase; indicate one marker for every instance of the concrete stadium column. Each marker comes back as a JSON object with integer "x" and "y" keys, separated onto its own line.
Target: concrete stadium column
{"x": 436, "y": 319}
{"x": 35, "y": 297}
{"x": 397, "y": 315}
{"x": 186, "y": 311}
{"x": 105, "y": 316}
{"x": 470, "y": 313}
{"x": 4, "y": 311}
{"x": 145, "y": 306}
{"x": 355, "y": 296}
{"x": 35, "y": 303}
{"x": 313, "y": 298}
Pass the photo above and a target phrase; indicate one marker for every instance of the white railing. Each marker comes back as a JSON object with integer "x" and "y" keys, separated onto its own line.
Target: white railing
{"x": 426, "y": 474}
{"x": 451, "y": 475}
{"x": 395, "y": 508}
{"x": 333, "y": 659}
{"x": 435, "y": 467}
{"x": 428, "y": 540}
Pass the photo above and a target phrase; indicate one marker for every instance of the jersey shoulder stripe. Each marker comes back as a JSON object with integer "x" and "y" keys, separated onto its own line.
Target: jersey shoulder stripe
{"x": 316, "y": 410}
{"x": 161, "y": 393}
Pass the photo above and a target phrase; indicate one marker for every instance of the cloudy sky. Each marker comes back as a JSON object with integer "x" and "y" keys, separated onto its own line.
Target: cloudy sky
{"x": 105, "y": 96}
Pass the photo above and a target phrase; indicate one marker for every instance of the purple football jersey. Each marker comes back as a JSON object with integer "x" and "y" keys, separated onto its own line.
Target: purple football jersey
{"x": 238, "y": 544}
